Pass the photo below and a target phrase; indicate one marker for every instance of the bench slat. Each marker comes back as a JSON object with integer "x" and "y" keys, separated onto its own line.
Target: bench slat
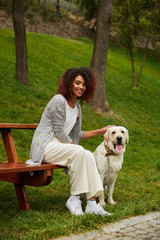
{"x": 23, "y": 167}
{"x": 18, "y": 126}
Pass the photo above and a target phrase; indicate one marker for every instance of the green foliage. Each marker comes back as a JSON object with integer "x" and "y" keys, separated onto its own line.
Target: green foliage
{"x": 137, "y": 186}
{"x": 138, "y": 17}
{"x": 90, "y": 7}
{"x": 7, "y": 4}
{"x": 132, "y": 20}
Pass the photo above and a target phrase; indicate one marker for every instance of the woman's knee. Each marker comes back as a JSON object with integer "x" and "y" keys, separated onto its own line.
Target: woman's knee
{"x": 84, "y": 154}
{"x": 79, "y": 150}
{"x": 90, "y": 154}
{"x": 90, "y": 157}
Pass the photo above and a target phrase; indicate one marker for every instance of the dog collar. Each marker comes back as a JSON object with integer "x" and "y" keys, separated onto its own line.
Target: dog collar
{"x": 109, "y": 152}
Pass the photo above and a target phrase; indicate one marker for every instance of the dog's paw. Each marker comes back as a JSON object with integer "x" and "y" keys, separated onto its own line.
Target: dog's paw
{"x": 102, "y": 203}
{"x": 112, "y": 202}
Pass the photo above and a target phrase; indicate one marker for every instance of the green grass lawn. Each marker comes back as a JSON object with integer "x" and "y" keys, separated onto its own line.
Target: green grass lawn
{"x": 137, "y": 189}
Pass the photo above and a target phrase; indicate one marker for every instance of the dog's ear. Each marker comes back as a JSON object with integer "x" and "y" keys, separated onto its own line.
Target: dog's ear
{"x": 106, "y": 136}
{"x": 127, "y": 137}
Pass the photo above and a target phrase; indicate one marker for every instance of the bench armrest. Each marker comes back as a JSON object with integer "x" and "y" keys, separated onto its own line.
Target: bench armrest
{"x": 5, "y": 129}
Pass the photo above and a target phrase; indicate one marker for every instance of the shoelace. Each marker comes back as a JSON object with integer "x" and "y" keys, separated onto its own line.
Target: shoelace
{"x": 77, "y": 205}
{"x": 99, "y": 208}
{"x": 103, "y": 211}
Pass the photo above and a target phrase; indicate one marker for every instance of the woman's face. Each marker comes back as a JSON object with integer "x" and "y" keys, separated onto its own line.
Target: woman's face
{"x": 78, "y": 87}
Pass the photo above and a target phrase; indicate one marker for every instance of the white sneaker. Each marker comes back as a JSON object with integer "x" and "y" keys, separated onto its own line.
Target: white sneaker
{"x": 93, "y": 207}
{"x": 74, "y": 205}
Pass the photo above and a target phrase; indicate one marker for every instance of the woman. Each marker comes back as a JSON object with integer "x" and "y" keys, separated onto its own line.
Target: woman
{"x": 57, "y": 135}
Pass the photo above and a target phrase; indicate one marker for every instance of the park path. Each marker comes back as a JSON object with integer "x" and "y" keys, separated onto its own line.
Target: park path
{"x": 134, "y": 228}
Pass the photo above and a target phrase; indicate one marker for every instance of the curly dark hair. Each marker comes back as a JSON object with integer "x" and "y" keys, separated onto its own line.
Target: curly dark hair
{"x": 66, "y": 81}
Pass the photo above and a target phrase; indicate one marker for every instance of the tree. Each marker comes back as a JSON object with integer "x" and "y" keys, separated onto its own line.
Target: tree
{"x": 99, "y": 55}
{"x": 20, "y": 41}
{"x": 135, "y": 19}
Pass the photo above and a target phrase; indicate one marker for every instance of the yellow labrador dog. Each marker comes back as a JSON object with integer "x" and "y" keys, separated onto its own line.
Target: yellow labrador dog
{"x": 109, "y": 159}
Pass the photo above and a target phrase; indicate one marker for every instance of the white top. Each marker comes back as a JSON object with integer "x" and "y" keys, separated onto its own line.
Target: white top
{"x": 71, "y": 118}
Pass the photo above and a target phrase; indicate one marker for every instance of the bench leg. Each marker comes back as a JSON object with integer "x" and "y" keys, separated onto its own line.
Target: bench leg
{"x": 22, "y": 197}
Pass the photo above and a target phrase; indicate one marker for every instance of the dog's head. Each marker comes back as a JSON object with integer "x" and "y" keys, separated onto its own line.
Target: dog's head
{"x": 116, "y": 138}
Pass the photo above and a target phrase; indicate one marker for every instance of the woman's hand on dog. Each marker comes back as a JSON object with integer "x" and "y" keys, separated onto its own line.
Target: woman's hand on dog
{"x": 89, "y": 134}
{"x": 106, "y": 128}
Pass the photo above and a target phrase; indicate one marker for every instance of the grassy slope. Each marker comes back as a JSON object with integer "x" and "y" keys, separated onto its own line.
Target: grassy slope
{"x": 137, "y": 186}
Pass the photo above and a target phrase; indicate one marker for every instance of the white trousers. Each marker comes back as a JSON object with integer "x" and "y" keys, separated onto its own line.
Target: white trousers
{"x": 84, "y": 176}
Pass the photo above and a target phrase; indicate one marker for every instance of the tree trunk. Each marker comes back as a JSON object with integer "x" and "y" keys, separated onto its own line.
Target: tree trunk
{"x": 132, "y": 65}
{"x": 142, "y": 65}
{"x": 20, "y": 41}
{"x": 99, "y": 56}
{"x": 130, "y": 48}
{"x": 44, "y": 8}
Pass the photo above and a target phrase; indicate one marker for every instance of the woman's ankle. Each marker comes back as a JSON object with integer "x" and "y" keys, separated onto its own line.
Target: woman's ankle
{"x": 92, "y": 199}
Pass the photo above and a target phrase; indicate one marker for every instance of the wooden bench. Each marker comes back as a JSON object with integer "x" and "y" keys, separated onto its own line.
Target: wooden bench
{"x": 19, "y": 173}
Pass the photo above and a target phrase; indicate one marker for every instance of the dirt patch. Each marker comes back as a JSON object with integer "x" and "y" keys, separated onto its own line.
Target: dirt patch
{"x": 72, "y": 27}
{"x": 59, "y": 27}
